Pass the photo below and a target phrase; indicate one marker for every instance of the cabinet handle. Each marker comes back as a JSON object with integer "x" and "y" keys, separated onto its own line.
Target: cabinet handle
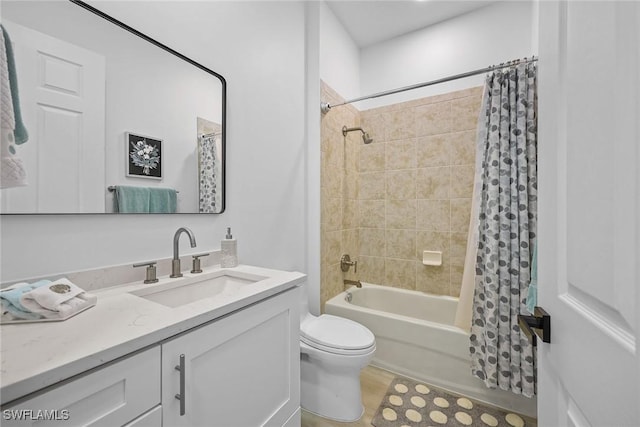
{"x": 180, "y": 368}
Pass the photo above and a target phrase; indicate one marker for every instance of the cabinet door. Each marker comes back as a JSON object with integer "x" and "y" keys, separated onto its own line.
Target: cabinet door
{"x": 111, "y": 396}
{"x": 242, "y": 370}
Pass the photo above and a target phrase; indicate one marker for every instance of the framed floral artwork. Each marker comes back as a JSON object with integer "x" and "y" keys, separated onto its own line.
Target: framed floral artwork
{"x": 144, "y": 156}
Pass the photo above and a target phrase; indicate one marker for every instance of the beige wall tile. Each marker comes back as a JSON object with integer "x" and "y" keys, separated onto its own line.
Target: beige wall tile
{"x": 350, "y": 183}
{"x": 433, "y": 241}
{"x": 330, "y": 179}
{"x": 372, "y": 242}
{"x": 372, "y": 157}
{"x": 433, "y": 119}
{"x": 401, "y": 244}
{"x": 376, "y": 126}
{"x": 433, "y": 215}
{"x": 458, "y": 245}
{"x": 400, "y": 154}
{"x": 464, "y": 113}
{"x": 433, "y": 151}
{"x": 433, "y": 279}
{"x": 427, "y": 148}
{"x": 371, "y": 186}
{"x": 371, "y": 269}
{"x": 331, "y": 246}
{"x": 371, "y": 213}
{"x": 401, "y": 214}
{"x": 400, "y": 273}
{"x": 333, "y": 284}
{"x": 401, "y": 184}
{"x": 352, "y": 153}
{"x": 331, "y": 214}
{"x": 433, "y": 183}
{"x": 350, "y": 214}
{"x": 460, "y": 214}
{"x": 463, "y": 147}
{"x": 401, "y": 124}
{"x": 462, "y": 181}
{"x": 351, "y": 242}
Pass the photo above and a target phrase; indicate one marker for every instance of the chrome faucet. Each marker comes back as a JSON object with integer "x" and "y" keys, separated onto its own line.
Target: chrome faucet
{"x": 175, "y": 264}
{"x": 355, "y": 283}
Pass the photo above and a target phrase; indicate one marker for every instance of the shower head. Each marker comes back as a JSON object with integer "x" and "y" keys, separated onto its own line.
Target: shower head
{"x": 365, "y": 136}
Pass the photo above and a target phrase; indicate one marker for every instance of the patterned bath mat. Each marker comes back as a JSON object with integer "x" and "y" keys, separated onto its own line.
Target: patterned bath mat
{"x": 414, "y": 404}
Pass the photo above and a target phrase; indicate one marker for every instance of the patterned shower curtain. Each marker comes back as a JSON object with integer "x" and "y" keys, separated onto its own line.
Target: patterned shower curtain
{"x": 501, "y": 355}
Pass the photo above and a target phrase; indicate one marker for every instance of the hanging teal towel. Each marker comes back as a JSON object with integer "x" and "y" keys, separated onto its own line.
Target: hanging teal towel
{"x": 162, "y": 200}
{"x": 20, "y": 134}
{"x": 132, "y": 199}
{"x": 532, "y": 294}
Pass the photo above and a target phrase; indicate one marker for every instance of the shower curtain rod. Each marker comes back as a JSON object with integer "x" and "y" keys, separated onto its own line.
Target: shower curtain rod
{"x": 325, "y": 106}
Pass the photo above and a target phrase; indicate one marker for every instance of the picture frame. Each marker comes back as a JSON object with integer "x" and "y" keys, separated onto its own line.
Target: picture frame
{"x": 143, "y": 156}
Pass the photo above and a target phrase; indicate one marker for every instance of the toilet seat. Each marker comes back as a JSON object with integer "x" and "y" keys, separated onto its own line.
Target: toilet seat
{"x": 337, "y": 335}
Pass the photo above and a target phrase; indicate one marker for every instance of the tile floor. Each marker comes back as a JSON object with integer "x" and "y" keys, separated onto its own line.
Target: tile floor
{"x": 375, "y": 382}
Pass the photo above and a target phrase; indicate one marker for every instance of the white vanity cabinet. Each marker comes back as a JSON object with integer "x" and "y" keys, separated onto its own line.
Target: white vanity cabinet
{"x": 241, "y": 370}
{"x": 114, "y": 395}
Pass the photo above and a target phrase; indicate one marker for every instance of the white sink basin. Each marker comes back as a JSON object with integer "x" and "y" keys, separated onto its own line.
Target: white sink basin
{"x": 189, "y": 289}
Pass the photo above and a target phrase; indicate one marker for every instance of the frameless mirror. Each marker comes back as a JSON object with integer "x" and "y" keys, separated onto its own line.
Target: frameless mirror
{"x": 104, "y": 118}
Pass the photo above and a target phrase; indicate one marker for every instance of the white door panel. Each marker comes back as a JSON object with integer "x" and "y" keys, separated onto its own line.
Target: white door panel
{"x": 62, "y": 94}
{"x": 589, "y": 212}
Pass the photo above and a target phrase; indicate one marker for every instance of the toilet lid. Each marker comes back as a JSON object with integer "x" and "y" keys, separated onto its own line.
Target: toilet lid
{"x": 336, "y": 332}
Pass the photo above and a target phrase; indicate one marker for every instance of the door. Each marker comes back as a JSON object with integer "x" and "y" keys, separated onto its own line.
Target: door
{"x": 589, "y": 213}
{"x": 242, "y": 370}
{"x": 62, "y": 97}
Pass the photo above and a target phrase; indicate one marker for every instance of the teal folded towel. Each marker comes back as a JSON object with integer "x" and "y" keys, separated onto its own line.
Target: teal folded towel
{"x": 162, "y": 200}
{"x": 532, "y": 293}
{"x": 20, "y": 134}
{"x": 132, "y": 199}
{"x": 10, "y": 299}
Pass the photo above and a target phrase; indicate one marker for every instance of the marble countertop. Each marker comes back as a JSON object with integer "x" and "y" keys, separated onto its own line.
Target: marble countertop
{"x": 37, "y": 355}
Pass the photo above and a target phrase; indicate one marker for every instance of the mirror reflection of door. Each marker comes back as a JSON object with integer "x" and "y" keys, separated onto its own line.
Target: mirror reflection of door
{"x": 62, "y": 95}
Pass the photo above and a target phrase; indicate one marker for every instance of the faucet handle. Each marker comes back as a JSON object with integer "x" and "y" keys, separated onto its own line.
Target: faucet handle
{"x": 151, "y": 271}
{"x": 346, "y": 263}
{"x": 195, "y": 268}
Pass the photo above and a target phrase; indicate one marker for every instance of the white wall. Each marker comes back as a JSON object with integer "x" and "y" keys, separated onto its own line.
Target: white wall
{"x": 488, "y": 36}
{"x": 259, "y": 48}
{"x": 339, "y": 56}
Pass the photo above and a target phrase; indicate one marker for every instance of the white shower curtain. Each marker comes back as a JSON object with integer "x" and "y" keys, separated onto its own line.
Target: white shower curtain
{"x": 465, "y": 302}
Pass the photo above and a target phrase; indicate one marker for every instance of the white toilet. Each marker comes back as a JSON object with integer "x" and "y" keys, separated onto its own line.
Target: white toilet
{"x": 333, "y": 351}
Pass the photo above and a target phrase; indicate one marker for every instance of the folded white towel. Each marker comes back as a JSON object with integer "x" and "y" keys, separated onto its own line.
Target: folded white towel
{"x": 57, "y": 300}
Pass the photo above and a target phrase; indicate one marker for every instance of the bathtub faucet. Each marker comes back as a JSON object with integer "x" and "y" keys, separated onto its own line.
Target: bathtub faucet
{"x": 355, "y": 283}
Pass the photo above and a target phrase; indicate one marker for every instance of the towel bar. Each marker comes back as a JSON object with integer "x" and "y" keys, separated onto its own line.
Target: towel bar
{"x": 112, "y": 188}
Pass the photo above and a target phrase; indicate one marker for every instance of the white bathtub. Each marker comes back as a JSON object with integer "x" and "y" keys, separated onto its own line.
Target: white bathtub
{"x": 415, "y": 337}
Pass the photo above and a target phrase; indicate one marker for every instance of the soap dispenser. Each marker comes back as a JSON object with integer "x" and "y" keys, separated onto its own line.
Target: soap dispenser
{"x": 229, "y": 249}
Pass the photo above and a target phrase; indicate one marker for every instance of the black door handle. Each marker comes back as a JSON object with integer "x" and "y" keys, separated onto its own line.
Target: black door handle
{"x": 539, "y": 324}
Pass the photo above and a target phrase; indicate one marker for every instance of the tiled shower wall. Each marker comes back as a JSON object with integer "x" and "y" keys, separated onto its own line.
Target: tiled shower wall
{"x": 339, "y": 193}
{"x": 415, "y": 188}
{"x": 408, "y": 191}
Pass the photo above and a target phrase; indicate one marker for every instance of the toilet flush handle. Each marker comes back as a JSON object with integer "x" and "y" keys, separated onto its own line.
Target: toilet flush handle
{"x": 345, "y": 263}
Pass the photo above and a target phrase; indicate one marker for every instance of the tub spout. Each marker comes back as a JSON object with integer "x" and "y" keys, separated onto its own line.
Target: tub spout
{"x": 355, "y": 283}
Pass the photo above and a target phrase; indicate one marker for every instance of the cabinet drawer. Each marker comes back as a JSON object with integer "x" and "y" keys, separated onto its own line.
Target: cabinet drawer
{"x": 111, "y": 396}
{"x": 153, "y": 418}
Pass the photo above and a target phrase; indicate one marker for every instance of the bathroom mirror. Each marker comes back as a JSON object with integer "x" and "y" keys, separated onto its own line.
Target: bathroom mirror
{"x": 106, "y": 107}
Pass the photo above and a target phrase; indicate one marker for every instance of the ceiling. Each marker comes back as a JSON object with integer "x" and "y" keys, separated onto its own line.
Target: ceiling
{"x": 372, "y": 21}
